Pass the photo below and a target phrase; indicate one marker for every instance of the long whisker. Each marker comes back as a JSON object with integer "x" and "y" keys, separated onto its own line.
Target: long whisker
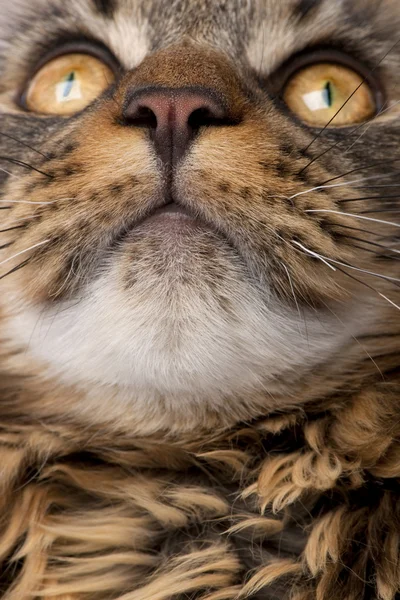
{"x": 314, "y": 254}
{"x": 291, "y": 287}
{"x": 370, "y": 124}
{"x": 9, "y": 173}
{"x": 365, "y": 168}
{"x": 24, "y": 251}
{"x": 338, "y": 262}
{"x": 390, "y": 210}
{"x": 369, "y": 287}
{"x": 337, "y": 185}
{"x": 354, "y": 338}
{"x": 10, "y": 137}
{"x": 12, "y": 228}
{"x": 381, "y": 246}
{"x": 351, "y": 276}
{"x": 29, "y": 202}
{"x": 367, "y": 126}
{"x": 338, "y": 212}
{"x": 375, "y": 187}
{"x": 367, "y": 231}
{"x": 397, "y": 197}
{"x": 20, "y": 163}
{"x": 6, "y": 245}
{"x": 371, "y": 251}
{"x": 17, "y": 268}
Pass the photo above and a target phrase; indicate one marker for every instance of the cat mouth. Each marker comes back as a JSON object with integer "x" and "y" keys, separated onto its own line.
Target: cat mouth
{"x": 172, "y": 210}
{"x": 171, "y": 218}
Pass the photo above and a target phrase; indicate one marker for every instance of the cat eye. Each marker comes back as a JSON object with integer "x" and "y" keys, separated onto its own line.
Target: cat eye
{"x": 67, "y": 84}
{"x": 328, "y": 92}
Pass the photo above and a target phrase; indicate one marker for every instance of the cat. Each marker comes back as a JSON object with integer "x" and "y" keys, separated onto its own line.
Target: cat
{"x": 199, "y": 307}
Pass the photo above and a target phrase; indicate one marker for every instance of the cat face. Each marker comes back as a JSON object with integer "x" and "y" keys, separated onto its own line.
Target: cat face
{"x": 183, "y": 243}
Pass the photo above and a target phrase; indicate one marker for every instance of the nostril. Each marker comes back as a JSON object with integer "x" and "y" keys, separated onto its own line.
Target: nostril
{"x": 201, "y": 118}
{"x": 142, "y": 116}
{"x": 175, "y": 116}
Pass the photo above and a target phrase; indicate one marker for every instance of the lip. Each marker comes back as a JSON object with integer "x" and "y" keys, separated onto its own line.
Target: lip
{"x": 171, "y": 210}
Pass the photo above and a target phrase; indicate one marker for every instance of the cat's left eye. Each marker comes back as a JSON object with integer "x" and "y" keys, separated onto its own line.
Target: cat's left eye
{"x": 67, "y": 84}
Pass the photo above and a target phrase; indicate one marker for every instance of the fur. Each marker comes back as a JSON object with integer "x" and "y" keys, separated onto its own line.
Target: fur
{"x": 207, "y": 412}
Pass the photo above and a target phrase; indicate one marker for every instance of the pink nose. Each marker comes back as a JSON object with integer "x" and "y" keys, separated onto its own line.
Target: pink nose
{"x": 174, "y": 117}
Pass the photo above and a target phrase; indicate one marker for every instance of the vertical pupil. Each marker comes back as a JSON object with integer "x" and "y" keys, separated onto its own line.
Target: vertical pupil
{"x": 328, "y": 93}
{"x": 69, "y": 82}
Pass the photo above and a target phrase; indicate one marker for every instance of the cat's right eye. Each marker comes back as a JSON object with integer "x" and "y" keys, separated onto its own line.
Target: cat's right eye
{"x": 330, "y": 93}
{"x": 67, "y": 84}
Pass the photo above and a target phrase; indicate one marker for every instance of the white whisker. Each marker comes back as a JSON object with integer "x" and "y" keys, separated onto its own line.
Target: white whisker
{"x": 8, "y": 173}
{"x": 321, "y": 258}
{"x": 38, "y": 203}
{"x": 293, "y": 293}
{"x": 371, "y": 124}
{"x": 337, "y": 262}
{"x": 23, "y": 252}
{"x": 337, "y": 185}
{"x": 338, "y": 212}
{"x": 389, "y": 300}
{"x": 28, "y": 218}
{"x": 25, "y": 202}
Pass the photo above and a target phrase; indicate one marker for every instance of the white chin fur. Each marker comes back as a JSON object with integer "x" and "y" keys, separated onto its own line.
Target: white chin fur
{"x": 174, "y": 358}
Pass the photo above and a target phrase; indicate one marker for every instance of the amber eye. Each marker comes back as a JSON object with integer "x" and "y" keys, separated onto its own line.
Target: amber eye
{"x": 67, "y": 84}
{"x": 320, "y": 91}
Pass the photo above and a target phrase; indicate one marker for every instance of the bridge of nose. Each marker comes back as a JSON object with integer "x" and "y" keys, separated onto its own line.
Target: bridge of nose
{"x": 188, "y": 65}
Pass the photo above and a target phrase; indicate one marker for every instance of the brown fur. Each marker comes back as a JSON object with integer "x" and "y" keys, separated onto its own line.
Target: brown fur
{"x": 287, "y": 489}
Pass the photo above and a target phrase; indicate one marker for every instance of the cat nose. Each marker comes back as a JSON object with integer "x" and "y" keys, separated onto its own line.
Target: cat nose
{"x": 174, "y": 117}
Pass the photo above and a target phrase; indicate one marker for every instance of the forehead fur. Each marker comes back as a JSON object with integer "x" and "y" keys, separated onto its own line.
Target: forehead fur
{"x": 266, "y": 32}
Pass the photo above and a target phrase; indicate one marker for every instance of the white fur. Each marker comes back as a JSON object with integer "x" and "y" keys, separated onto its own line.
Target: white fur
{"x": 157, "y": 356}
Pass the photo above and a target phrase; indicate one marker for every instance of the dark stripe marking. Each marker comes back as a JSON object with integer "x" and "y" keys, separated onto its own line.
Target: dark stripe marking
{"x": 106, "y": 7}
{"x": 304, "y": 8}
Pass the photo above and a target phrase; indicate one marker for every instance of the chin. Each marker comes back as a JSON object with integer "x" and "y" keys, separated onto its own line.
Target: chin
{"x": 173, "y": 332}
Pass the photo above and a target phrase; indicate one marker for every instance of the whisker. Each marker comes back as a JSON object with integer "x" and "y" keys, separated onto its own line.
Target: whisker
{"x": 10, "y": 137}
{"x": 12, "y": 228}
{"x": 381, "y": 246}
{"x": 374, "y": 187}
{"x": 369, "y": 287}
{"x": 338, "y": 212}
{"x": 372, "y": 251}
{"x": 371, "y": 273}
{"x": 25, "y": 165}
{"x": 24, "y": 251}
{"x": 5, "y": 207}
{"x": 389, "y": 300}
{"x": 356, "y": 229}
{"x": 29, "y": 202}
{"x": 17, "y": 268}
{"x": 370, "y": 124}
{"x": 393, "y": 211}
{"x": 28, "y": 218}
{"x": 292, "y": 288}
{"x": 354, "y": 338}
{"x": 9, "y": 173}
{"x": 6, "y": 245}
{"x": 314, "y": 254}
{"x": 367, "y": 125}
{"x": 369, "y": 198}
{"x": 365, "y": 168}
{"x": 351, "y": 276}
{"x": 337, "y": 185}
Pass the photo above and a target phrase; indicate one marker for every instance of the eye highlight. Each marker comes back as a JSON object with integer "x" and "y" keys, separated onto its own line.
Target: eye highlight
{"x": 67, "y": 84}
{"x": 327, "y": 91}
